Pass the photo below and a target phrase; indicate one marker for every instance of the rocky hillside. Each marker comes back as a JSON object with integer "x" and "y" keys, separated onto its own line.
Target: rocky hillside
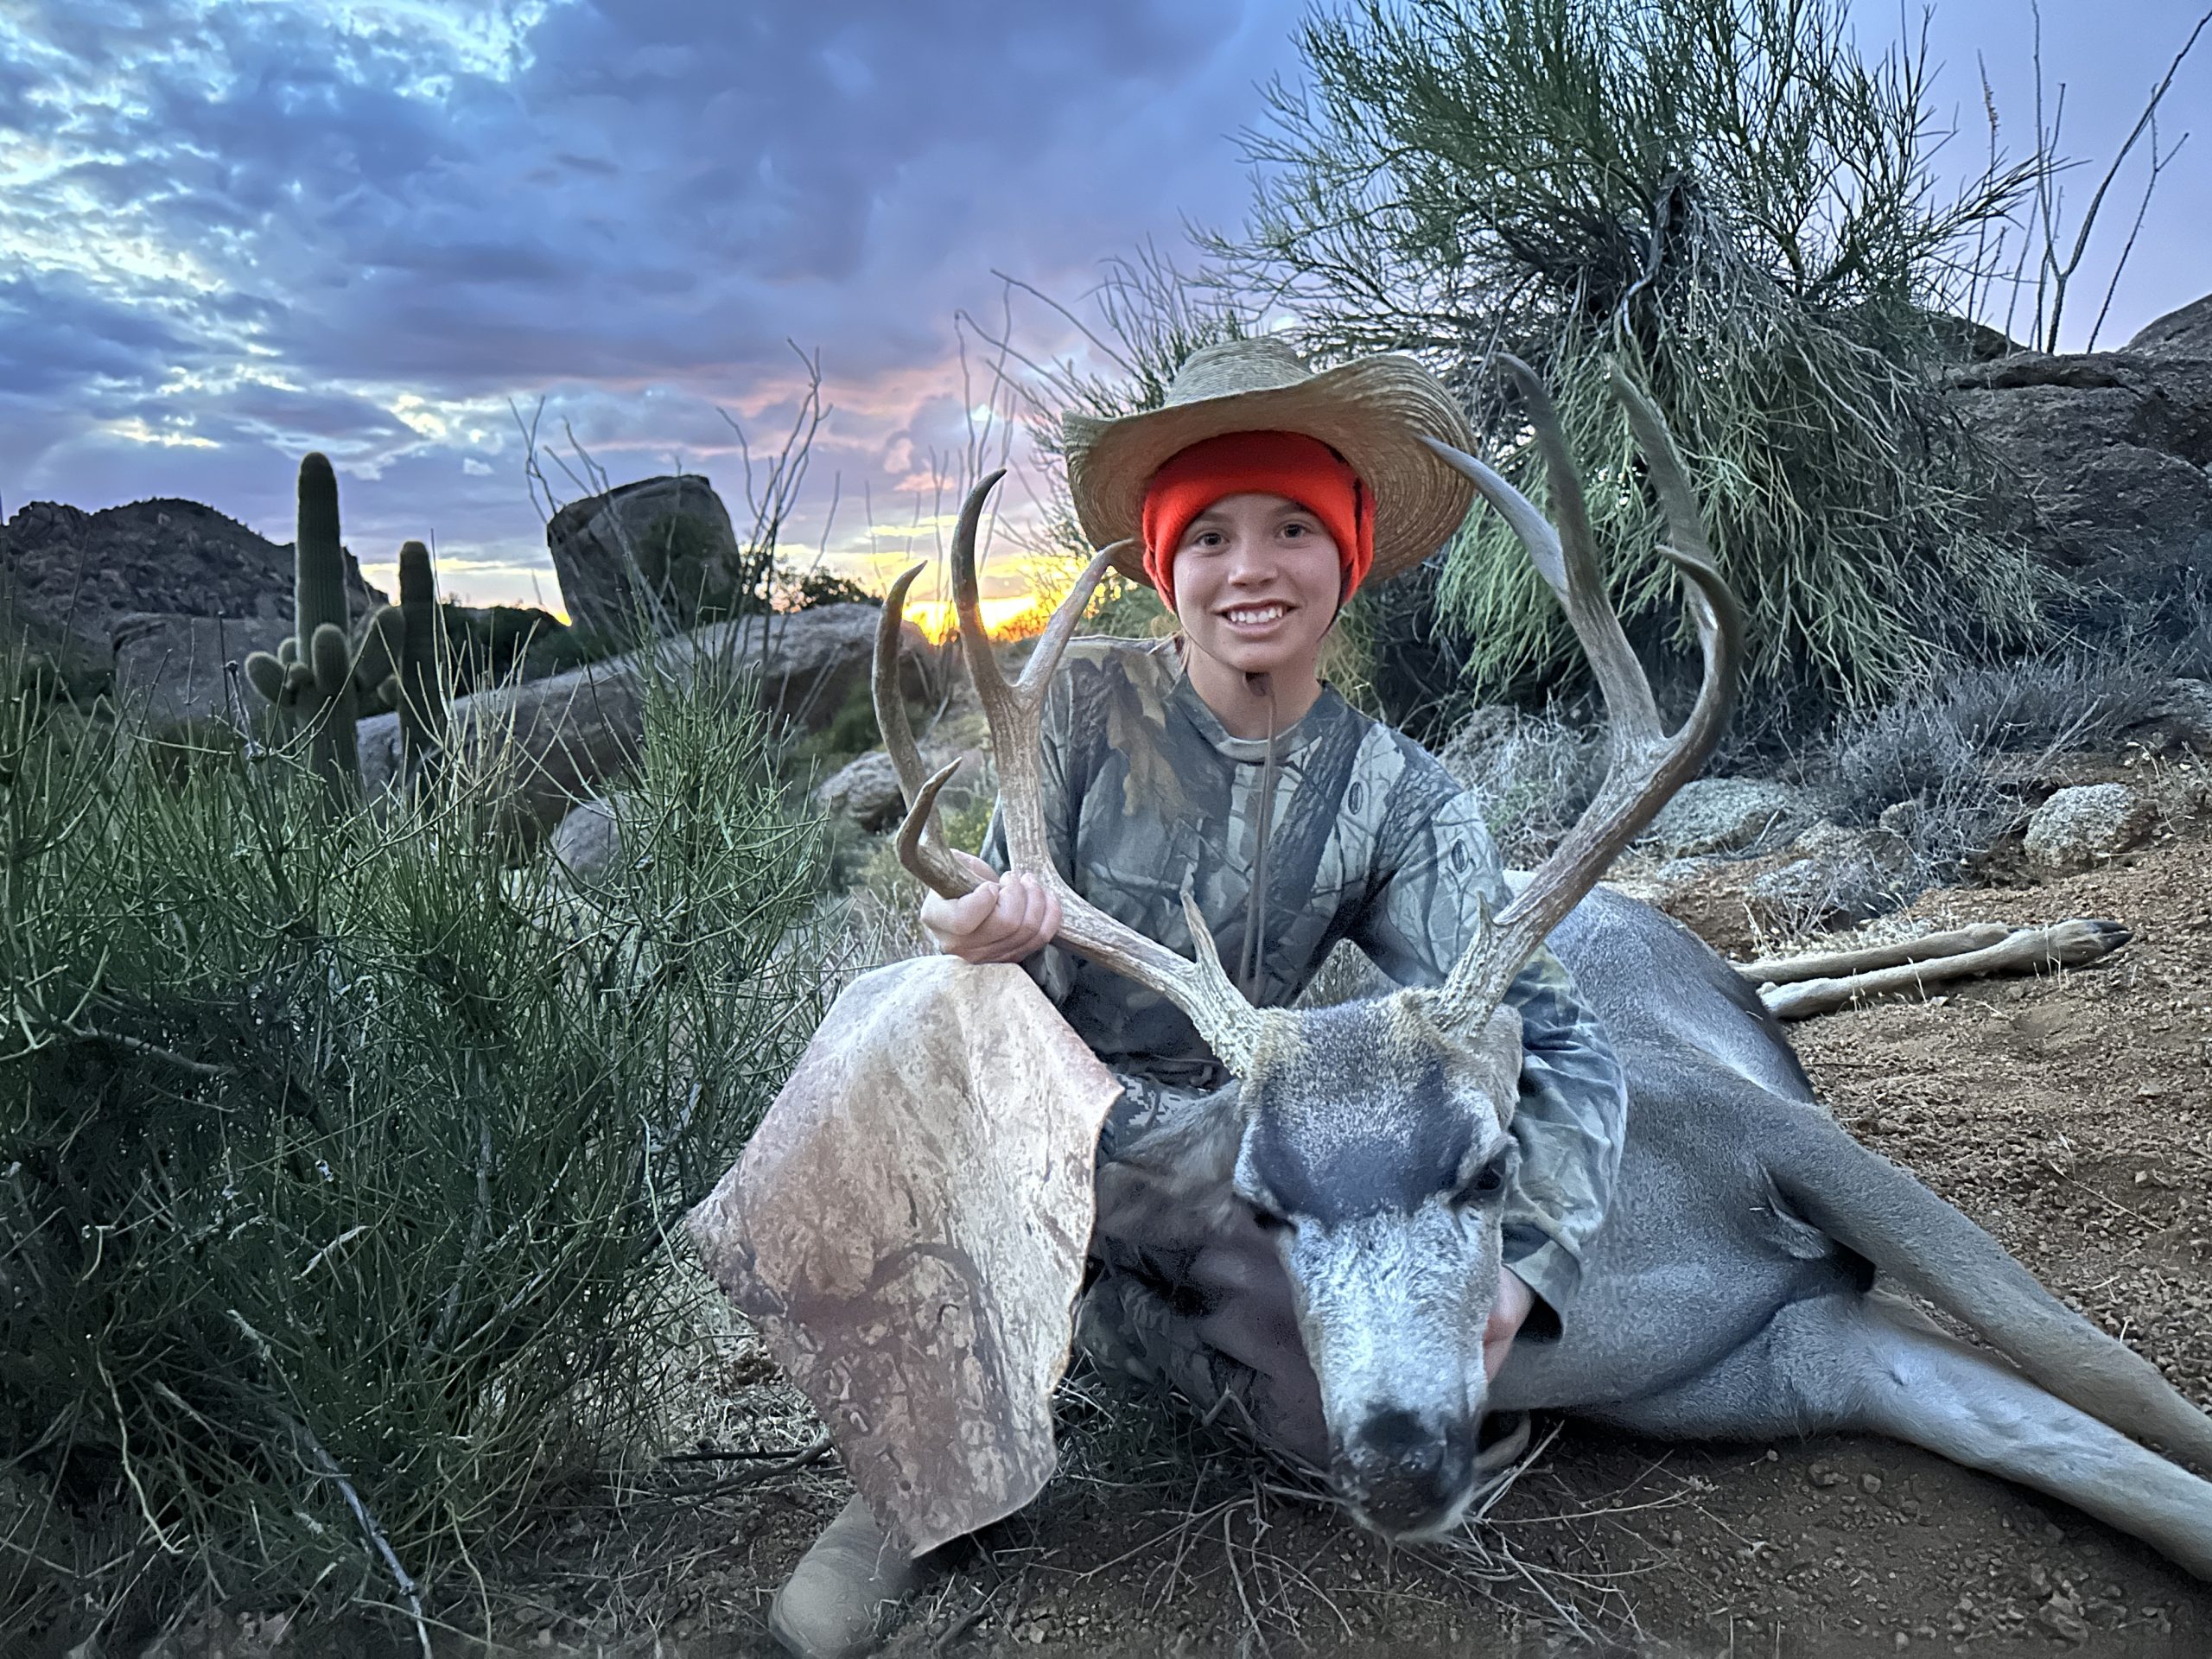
{"x": 69, "y": 576}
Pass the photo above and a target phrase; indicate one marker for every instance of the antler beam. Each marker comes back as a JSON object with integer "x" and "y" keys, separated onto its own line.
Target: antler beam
{"x": 1648, "y": 764}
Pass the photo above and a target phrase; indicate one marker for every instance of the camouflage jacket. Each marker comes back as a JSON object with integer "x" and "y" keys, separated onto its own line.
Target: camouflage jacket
{"x": 1372, "y": 841}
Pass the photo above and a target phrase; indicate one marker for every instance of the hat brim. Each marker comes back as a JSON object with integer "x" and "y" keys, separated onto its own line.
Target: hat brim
{"x": 1373, "y": 412}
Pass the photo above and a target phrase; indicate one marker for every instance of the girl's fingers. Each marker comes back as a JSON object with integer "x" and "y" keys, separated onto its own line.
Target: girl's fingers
{"x": 1004, "y": 920}
{"x": 1033, "y": 908}
{"x": 976, "y": 909}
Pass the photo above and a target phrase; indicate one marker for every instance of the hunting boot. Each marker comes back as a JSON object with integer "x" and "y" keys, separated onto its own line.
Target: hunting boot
{"x": 850, "y": 1585}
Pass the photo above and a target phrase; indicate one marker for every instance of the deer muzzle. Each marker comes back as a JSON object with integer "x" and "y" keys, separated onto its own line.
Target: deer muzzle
{"x": 1407, "y": 1475}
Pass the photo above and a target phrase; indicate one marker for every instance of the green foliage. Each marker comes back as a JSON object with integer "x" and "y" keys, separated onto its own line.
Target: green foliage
{"x": 804, "y": 590}
{"x": 1729, "y": 197}
{"x": 334, "y": 1156}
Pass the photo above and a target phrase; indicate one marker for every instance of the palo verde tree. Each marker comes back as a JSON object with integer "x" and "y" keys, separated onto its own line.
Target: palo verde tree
{"x": 1731, "y": 197}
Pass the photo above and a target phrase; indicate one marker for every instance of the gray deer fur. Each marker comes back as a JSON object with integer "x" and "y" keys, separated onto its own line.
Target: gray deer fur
{"x": 1741, "y": 1287}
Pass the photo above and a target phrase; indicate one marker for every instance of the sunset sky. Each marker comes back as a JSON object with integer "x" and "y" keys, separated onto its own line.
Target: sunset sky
{"x": 231, "y": 233}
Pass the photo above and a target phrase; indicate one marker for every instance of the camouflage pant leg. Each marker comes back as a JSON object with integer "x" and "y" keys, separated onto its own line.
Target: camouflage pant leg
{"x": 1157, "y": 1310}
{"x": 1127, "y": 1327}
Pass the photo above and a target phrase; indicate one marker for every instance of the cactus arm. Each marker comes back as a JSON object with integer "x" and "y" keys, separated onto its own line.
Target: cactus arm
{"x": 265, "y": 674}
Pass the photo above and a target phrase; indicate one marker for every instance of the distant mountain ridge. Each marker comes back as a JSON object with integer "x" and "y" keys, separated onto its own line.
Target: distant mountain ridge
{"x": 69, "y": 573}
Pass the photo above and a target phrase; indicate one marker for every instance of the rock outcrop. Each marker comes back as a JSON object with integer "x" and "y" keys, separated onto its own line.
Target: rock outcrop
{"x": 1728, "y": 815}
{"x": 866, "y": 791}
{"x": 171, "y": 669}
{"x": 2115, "y": 449}
{"x": 663, "y": 546}
{"x": 81, "y": 572}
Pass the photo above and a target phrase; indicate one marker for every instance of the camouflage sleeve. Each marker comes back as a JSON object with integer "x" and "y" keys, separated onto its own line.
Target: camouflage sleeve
{"x": 1573, "y": 1110}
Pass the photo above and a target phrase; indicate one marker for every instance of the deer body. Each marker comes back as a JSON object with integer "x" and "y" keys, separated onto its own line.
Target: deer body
{"x": 1713, "y": 1306}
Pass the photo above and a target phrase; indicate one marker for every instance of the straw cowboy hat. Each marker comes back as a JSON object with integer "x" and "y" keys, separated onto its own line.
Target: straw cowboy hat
{"x": 1371, "y": 413}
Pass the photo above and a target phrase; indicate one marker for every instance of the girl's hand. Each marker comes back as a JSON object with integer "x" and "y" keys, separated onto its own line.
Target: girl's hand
{"x": 1515, "y": 1300}
{"x": 1006, "y": 918}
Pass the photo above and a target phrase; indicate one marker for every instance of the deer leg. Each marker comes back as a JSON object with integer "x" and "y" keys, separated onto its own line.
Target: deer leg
{"x": 1875, "y": 1366}
{"x": 2030, "y": 949}
{"x": 1925, "y": 1388}
{"x": 1841, "y": 965}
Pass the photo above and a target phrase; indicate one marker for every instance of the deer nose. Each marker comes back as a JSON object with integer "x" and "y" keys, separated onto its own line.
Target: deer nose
{"x": 1405, "y": 1474}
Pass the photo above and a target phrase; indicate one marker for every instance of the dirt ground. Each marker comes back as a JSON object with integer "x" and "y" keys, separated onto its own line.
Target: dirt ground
{"x": 2071, "y": 1115}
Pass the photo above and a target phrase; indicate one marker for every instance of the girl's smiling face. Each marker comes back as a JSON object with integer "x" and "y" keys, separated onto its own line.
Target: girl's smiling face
{"x": 1257, "y": 580}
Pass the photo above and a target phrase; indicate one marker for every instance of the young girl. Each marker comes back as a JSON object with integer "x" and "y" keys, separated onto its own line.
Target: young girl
{"x": 1261, "y": 497}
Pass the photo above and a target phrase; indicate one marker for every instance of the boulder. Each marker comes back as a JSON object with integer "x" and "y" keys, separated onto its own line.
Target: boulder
{"x": 866, "y": 792}
{"x": 2086, "y": 825}
{"x": 587, "y": 842}
{"x": 171, "y": 669}
{"x": 2112, "y": 449}
{"x": 81, "y": 571}
{"x": 1827, "y": 877}
{"x": 569, "y": 732}
{"x": 1727, "y": 814}
{"x": 664, "y": 544}
{"x": 2178, "y": 720}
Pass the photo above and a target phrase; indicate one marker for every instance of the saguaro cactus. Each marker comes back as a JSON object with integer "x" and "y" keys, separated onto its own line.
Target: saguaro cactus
{"x": 311, "y": 677}
{"x": 420, "y": 696}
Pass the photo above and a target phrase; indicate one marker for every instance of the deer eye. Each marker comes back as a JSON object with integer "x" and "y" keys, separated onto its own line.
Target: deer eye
{"x": 1488, "y": 1182}
{"x": 1269, "y": 1220}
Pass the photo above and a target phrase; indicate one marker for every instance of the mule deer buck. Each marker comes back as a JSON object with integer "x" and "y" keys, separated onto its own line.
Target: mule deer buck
{"x": 1349, "y": 1179}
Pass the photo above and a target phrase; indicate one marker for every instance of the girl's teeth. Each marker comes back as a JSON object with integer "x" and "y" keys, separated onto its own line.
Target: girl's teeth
{"x": 1248, "y": 617}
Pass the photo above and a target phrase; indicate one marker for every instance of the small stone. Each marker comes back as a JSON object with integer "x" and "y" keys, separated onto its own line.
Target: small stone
{"x": 1870, "y": 1484}
{"x": 2062, "y": 1621}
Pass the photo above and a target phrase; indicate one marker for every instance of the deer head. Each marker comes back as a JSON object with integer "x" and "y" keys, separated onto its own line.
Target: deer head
{"x": 1366, "y": 1147}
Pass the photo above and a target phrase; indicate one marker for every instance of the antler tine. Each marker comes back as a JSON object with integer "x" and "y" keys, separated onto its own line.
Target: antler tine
{"x": 921, "y": 844}
{"x": 1202, "y": 989}
{"x": 1647, "y": 766}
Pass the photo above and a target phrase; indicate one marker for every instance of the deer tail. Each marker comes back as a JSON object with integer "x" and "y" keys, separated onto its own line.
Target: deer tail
{"x": 1868, "y": 1204}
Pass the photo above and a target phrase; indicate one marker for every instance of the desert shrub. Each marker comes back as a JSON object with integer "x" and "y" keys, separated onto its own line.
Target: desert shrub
{"x": 1532, "y": 774}
{"x": 1922, "y": 764}
{"x": 1731, "y": 199}
{"x": 2051, "y": 703}
{"x": 334, "y": 1155}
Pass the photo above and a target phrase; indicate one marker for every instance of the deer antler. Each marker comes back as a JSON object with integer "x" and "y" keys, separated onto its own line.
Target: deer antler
{"x": 1230, "y": 1024}
{"x": 1648, "y": 764}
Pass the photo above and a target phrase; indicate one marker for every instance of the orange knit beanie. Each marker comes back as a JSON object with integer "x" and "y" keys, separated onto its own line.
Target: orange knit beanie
{"x": 1288, "y": 464}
